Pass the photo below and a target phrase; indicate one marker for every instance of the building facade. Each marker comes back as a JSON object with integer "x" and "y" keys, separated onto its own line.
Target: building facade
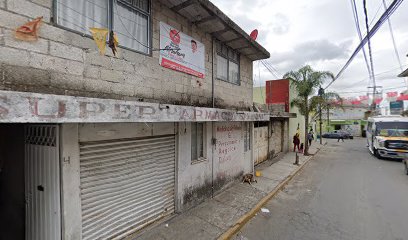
{"x": 101, "y": 145}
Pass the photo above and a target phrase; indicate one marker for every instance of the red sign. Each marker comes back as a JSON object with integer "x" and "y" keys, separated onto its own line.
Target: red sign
{"x": 392, "y": 94}
{"x": 254, "y": 34}
{"x": 402, "y": 97}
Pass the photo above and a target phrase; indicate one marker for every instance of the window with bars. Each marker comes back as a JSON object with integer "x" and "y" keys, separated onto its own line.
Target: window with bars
{"x": 197, "y": 142}
{"x": 227, "y": 64}
{"x": 129, "y": 19}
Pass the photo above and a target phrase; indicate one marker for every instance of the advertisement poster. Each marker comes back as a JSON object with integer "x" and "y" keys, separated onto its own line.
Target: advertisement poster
{"x": 181, "y": 52}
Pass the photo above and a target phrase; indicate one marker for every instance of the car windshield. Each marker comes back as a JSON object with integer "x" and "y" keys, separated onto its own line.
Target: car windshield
{"x": 392, "y": 129}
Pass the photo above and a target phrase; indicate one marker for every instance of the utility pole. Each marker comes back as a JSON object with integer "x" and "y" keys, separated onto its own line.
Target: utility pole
{"x": 320, "y": 93}
{"x": 328, "y": 117}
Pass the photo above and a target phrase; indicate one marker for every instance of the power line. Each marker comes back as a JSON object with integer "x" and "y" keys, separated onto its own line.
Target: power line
{"x": 390, "y": 10}
{"x": 369, "y": 49}
{"x": 366, "y": 90}
{"x": 273, "y": 68}
{"x": 269, "y": 69}
{"x": 378, "y": 74}
{"x": 393, "y": 42}
{"x": 376, "y": 13}
{"x": 357, "y": 23}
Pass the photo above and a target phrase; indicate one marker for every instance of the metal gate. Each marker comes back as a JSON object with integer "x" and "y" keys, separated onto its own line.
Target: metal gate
{"x": 260, "y": 144}
{"x": 42, "y": 183}
{"x": 126, "y": 184}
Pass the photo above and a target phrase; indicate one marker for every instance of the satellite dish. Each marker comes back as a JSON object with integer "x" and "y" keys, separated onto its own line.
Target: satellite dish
{"x": 254, "y": 34}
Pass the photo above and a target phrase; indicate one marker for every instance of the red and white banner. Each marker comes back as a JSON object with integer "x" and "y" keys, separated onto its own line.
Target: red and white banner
{"x": 392, "y": 94}
{"x": 181, "y": 52}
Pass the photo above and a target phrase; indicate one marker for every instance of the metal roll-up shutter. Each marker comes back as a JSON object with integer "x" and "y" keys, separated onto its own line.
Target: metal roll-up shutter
{"x": 126, "y": 184}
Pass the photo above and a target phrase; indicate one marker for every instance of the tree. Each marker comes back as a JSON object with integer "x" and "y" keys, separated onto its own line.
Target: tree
{"x": 331, "y": 100}
{"x": 305, "y": 82}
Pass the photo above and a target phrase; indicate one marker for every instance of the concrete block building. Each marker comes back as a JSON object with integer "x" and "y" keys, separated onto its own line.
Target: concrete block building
{"x": 99, "y": 146}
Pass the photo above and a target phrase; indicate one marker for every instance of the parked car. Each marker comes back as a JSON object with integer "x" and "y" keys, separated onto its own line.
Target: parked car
{"x": 345, "y": 134}
{"x": 337, "y": 134}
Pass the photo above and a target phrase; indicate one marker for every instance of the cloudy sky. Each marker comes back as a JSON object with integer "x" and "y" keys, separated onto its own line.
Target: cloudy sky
{"x": 323, "y": 34}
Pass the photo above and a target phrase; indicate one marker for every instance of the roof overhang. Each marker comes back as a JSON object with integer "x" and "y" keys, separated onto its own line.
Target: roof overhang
{"x": 212, "y": 20}
{"x": 283, "y": 115}
{"x": 404, "y": 73}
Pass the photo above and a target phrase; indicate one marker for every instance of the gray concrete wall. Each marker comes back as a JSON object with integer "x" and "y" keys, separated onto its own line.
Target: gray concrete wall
{"x": 275, "y": 140}
{"x": 229, "y": 162}
{"x": 12, "y": 193}
{"x": 194, "y": 182}
{"x": 66, "y": 63}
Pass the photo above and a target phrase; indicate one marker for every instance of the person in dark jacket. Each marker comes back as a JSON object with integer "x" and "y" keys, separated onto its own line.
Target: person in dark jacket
{"x": 310, "y": 137}
{"x": 296, "y": 142}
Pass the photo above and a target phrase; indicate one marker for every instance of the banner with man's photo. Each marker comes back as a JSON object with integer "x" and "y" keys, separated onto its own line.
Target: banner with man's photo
{"x": 181, "y": 52}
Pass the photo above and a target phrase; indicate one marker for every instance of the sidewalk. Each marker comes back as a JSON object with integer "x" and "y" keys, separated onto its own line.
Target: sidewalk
{"x": 216, "y": 216}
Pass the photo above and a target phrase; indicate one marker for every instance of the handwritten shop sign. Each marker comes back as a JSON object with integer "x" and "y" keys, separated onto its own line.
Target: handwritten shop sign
{"x": 34, "y": 107}
{"x": 229, "y": 143}
{"x": 181, "y": 52}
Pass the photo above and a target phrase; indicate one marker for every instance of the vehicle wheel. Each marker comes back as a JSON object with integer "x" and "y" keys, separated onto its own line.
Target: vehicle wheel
{"x": 376, "y": 154}
{"x": 406, "y": 167}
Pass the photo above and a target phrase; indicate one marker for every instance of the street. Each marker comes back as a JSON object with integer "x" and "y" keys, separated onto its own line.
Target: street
{"x": 344, "y": 193}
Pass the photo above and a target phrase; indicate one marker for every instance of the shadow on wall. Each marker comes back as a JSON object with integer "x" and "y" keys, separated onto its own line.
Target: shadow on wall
{"x": 12, "y": 205}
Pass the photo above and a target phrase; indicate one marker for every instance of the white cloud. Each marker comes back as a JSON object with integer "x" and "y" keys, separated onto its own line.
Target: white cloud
{"x": 322, "y": 34}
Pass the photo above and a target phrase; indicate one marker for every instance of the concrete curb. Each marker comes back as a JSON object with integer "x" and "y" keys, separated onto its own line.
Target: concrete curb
{"x": 247, "y": 216}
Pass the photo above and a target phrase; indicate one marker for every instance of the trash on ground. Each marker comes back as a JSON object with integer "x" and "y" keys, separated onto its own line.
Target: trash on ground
{"x": 265, "y": 210}
{"x": 167, "y": 225}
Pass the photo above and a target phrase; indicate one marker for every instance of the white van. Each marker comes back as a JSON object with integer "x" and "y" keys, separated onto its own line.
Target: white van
{"x": 388, "y": 136}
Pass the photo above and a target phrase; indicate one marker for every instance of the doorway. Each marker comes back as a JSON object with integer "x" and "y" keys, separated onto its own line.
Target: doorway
{"x": 29, "y": 182}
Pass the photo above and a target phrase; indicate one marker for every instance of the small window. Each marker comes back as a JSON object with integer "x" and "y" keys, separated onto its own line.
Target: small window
{"x": 129, "y": 19}
{"x": 197, "y": 142}
{"x": 227, "y": 64}
{"x": 80, "y": 15}
{"x": 131, "y": 23}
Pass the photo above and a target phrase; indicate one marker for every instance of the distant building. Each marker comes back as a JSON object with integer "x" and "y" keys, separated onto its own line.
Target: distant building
{"x": 347, "y": 118}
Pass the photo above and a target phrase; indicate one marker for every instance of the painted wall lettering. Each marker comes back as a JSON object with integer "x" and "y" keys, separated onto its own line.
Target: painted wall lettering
{"x": 34, "y": 107}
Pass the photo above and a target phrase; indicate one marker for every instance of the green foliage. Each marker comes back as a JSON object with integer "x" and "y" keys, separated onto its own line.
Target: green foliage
{"x": 305, "y": 82}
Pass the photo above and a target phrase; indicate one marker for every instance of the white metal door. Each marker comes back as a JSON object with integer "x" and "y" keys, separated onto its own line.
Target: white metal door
{"x": 126, "y": 184}
{"x": 42, "y": 183}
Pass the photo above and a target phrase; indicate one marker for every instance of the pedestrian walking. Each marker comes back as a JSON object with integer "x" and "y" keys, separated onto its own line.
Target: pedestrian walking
{"x": 296, "y": 142}
{"x": 340, "y": 137}
{"x": 310, "y": 137}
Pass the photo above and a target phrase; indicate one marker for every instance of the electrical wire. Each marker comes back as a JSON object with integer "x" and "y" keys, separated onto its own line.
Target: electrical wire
{"x": 369, "y": 48}
{"x": 376, "y": 13}
{"x": 378, "y": 74}
{"x": 357, "y": 23}
{"x": 390, "y": 10}
{"x": 269, "y": 69}
{"x": 393, "y": 42}
{"x": 273, "y": 68}
{"x": 260, "y": 84}
{"x": 366, "y": 90}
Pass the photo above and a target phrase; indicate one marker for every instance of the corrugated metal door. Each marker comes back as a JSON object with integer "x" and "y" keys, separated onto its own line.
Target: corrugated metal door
{"x": 42, "y": 183}
{"x": 126, "y": 184}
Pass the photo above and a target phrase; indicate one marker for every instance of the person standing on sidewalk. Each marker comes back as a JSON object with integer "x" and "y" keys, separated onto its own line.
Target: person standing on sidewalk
{"x": 296, "y": 142}
{"x": 310, "y": 137}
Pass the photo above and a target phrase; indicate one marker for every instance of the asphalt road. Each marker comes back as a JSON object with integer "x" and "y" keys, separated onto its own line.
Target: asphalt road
{"x": 344, "y": 193}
